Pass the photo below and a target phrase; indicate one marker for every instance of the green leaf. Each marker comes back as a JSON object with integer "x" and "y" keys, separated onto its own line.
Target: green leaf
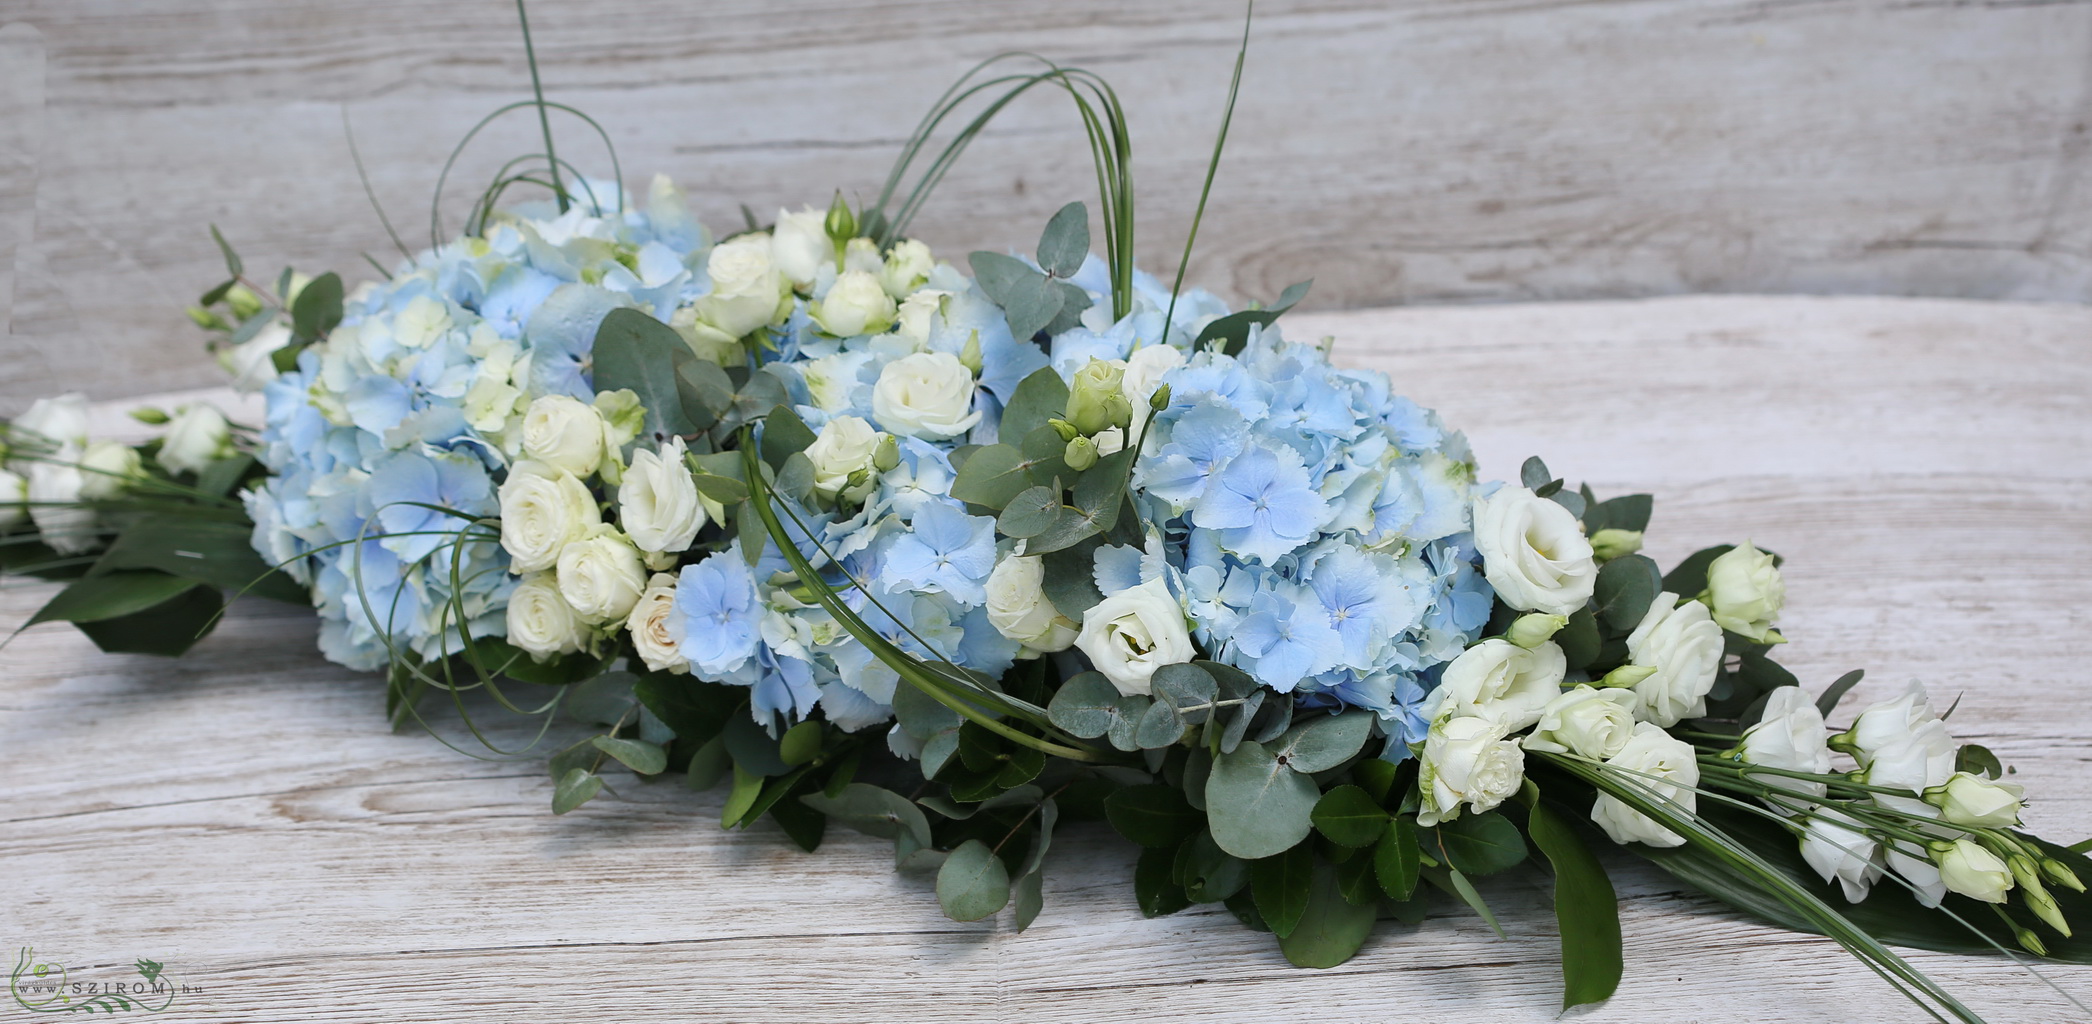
{"x": 992, "y": 476}
{"x": 232, "y": 259}
{"x": 1690, "y": 577}
{"x": 317, "y": 308}
{"x": 1626, "y": 586}
{"x": 695, "y": 710}
{"x": 1397, "y": 860}
{"x": 1066, "y": 241}
{"x": 784, "y": 435}
{"x": 1230, "y": 333}
{"x": 1281, "y": 885}
{"x": 723, "y": 489}
{"x": 973, "y": 883}
{"x": 1331, "y": 928}
{"x": 704, "y": 391}
{"x": 1585, "y": 908}
{"x": 1376, "y": 777}
{"x": 1032, "y": 512}
{"x": 207, "y": 551}
{"x": 1085, "y": 706}
{"x": 1187, "y": 689}
{"x": 1038, "y": 398}
{"x": 800, "y": 743}
{"x": 1481, "y": 844}
{"x": 1153, "y": 815}
{"x": 873, "y": 811}
{"x": 111, "y": 595}
{"x": 806, "y": 826}
{"x": 1155, "y": 885}
{"x": 1323, "y": 741}
{"x": 578, "y": 786}
{"x": 1627, "y": 512}
{"x": 1533, "y": 473}
{"x": 1459, "y": 885}
{"x": 1160, "y": 726}
{"x": 1029, "y": 898}
{"x": 1977, "y": 759}
{"x": 1579, "y": 639}
{"x": 1028, "y": 298}
{"x": 168, "y": 629}
{"x": 636, "y": 352}
{"x": 748, "y": 786}
{"x": 753, "y": 749}
{"x": 1834, "y": 693}
{"x": 1207, "y": 873}
{"x": 638, "y": 755}
{"x": 708, "y": 765}
{"x": 219, "y": 477}
{"x": 1256, "y": 805}
{"x": 1349, "y": 816}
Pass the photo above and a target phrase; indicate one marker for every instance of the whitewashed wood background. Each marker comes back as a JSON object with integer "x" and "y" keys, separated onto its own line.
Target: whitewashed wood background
{"x": 244, "y": 817}
{"x": 1397, "y": 152}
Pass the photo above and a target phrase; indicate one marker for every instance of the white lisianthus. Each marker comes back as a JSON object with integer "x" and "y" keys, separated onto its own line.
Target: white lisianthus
{"x": 1019, "y": 609}
{"x": 563, "y": 431}
{"x": 1791, "y": 736}
{"x": 1970, "y": 869}
{"x": 927, "y": 395}
{"x": 196, "y": 437}
{"x": 1914, "y": 864}
{"x": 1833, "y": 844}
{"x": 652, "y": 637}
{"x": 1665, "y": 770}
{"x": 800, "y": 245}
{"x": 844, "y": 446}
{"x": 1110, "y": 442}
{"x": 14, "y": 494}
{"x": 543, "y": 509}
{"x": 1533, "y": 552}
{"x": 1466, "y": 761}
{"x": 61, "y": 420}
{"x": 252, "y": 363}
{"x": 107, "y": 469}
{"x": 747, "y": 291}
{"x": 54, "y": 494}
{"x": 1587, "y": 722}
{"x": 908, "y": 267}
{"x": 1684, "y": 646}
{"x": 1503, "y": 682}
{"x": 1976, "y": 802}
{"x": 657, "y": 500}
{"x": 1888, "y": 721}
{"x": 1919, "y": 761}
{"x": 855, "y": 304}
{"x": 601, "y": 575}
{"x": 1746, "y": 591}
{"x": 1134, "y": 632}
{"x": 540, "y": 621}
{"x": 917, "y": 313}
{"x": 1144, "y": 370}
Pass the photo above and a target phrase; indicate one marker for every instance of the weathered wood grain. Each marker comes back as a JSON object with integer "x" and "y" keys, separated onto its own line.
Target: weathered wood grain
{"x": 1422, "y": 151}
{"x": 244, "y": 817}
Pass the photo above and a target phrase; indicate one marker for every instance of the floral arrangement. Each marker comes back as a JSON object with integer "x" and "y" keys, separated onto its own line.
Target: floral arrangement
{"x": 808, "y": 512}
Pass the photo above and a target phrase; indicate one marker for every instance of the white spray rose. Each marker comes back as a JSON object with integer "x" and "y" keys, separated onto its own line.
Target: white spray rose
{"x": 1746, "y": 591}
{"x": 855, "y": 304}
{"x": 801, "y": 246}
{"x": 543, "y": 509}
{"x": 1977, "y": 802}
{"x": 1920, "y": 760}
{"x": 1684, "y": 646}
{"x": 1973, "y": 871}
{"x": 1019, "y": 609}
{"x": 540, "y": 621}
{"x": 197, "y": 437}
{"x": 927, "y": 395}
{"x": 1833, "y": 844}
{"x": 1587, "y": 722}
{"x": 1791, "y": 736}
{"x": 1501, "y": 681}
{"x": 862, "y": 254}
{"x": 1134, "y": 632}
{"x": 563, "y": 431}
{"x": 107, "y": 468}
{"x": 252, "y": 363}
{"x": 747, "y": 291}
{"x": 652, "y": 636}
{"x": 1533, "y": 552}
{"x": 601, "y": 575}
{"x": 54, "y": 494}
{"x": 1467, "y": 761}
{"x": 844, "y": 446}
{"x": 61, "y": 420}
{"x": 657, "y": 500}
{"x": 917, "y": 313}
{"x": 14, "y": 494}
{"x": 908, "y": 267}
{"x": 1665, "y": 770}
{"x": 1144, "y": 370}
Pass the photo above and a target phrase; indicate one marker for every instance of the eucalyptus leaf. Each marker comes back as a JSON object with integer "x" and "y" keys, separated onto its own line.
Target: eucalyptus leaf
{"x": 1085, "y": 706}
{"x": 1028, "y": 898}
{"x": 784, "y": 435}
{"x": 1070, "y": 584}
{"x": 992, "y": 476}
{"x": 1066, "y": 241}
{"x": 636, "y": 352}
{"x": 1159, "y": 726}
{"x": 1032, "y": 512}
{"x": 1187, "y": 688}
{"x": 1256, "y": 805}
{"x": 1038, "y": 398}
{"x": 317, "y": 309}
{"x": 577, "y": 787}
{"x": 800, "y": 743}
{"x": 973, "y": 883}
{"x": 873, "y": 811}
{"x": 1323, "y": 741}
{"x": 1626, "y": 586}
{"x": 638, "y": 755}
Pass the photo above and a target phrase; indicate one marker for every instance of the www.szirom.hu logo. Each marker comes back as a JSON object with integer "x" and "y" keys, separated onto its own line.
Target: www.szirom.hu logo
{"x": 50, "y": 988}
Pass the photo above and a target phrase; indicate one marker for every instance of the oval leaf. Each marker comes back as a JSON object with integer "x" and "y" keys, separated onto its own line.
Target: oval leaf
{"x": 1323, "y": 741}
{"x": 1332, "y": 928}
{"x": 1258, "y": 807}
{"x": 638, "y": 755}
{"x": 1349, "y": 816}
{"x": 1153, "y": 815}
{"x": 972, "y": 883}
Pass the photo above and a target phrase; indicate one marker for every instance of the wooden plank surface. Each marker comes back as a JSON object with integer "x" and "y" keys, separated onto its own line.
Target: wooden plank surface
{"x": 1409, "y": 152}
{"x": 244, "y": 817}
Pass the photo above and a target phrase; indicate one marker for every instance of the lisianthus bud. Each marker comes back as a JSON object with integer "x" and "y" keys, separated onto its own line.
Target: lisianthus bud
{"x": 2037, "y": 898}
{"x": 1609, "y": 544}
{"x": 840, "y": 223}
{"x": 1532, "y": 630}
{"x": 151, "y": 416}
{"x": 1975, "y": 802}
{"x": 196, "y": 437}
{"x": 887, "y": 455}
{"x": 107, "y": 468}
{"x": 1065, "y": 429}
{"x": 1627, "y": 675}
{"x": 1969, "y": 869}
{"x": 243, "y": 302}
{"x": 1096, "y": 399}
{"x": 1746, "y": 592}
{"x": 1160, "y": 399}
{"x": 970, "y": 353}
{"x": 798, "y": 247}
{"x": 2058, "y": 872}
{"x": 1081, "y": 454}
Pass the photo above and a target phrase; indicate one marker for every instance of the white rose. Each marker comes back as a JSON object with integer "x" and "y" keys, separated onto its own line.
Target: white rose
{"x": 844, "y": 446}
{"x": 65, "y": 525}
{"x": 563, "y": 431}
{"x": 652, "y": 636}
{"x": 1533, "y": 552}
{"x": 1144, "y": 370}
{"x": 1587, "y": 722}
{"x": 252, "y": 363}
{"x": 61, "y": 420}
{"x": 1833, "y": 844}
{"x": 601, "y": 576}
{"x": 540, "y": 621}
{"x": 747, "y": 291}
{"x": 1134, "y": 632}
{"x": 14, "y": 494}
{"x": 1919, "y": 761}
{"x": 927, "y": 395}
{"x": 801, "y": 246}
{"x": 1746, "y": 591}
{"x": 197, "y": 437}
{"x": 1684, "y": 646}
{"x": 1019, "y": 609}
{"x": 1888, "y": 721}
{"x": 855, "y": 304}
{"x": 657, "y": 500}
{"x": 107, "y": 468}
{"x": 1499, "y": 680}
{"x": 1664, "y": 771}
{"x": 908, "y": 266}
{"x": 1791, "y": 736}
{"x": 1466, "y": 761}
{"x": 1975, "y": 802}
{"x": 1973, "y": 871}
{"x": 543, "y": 509}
